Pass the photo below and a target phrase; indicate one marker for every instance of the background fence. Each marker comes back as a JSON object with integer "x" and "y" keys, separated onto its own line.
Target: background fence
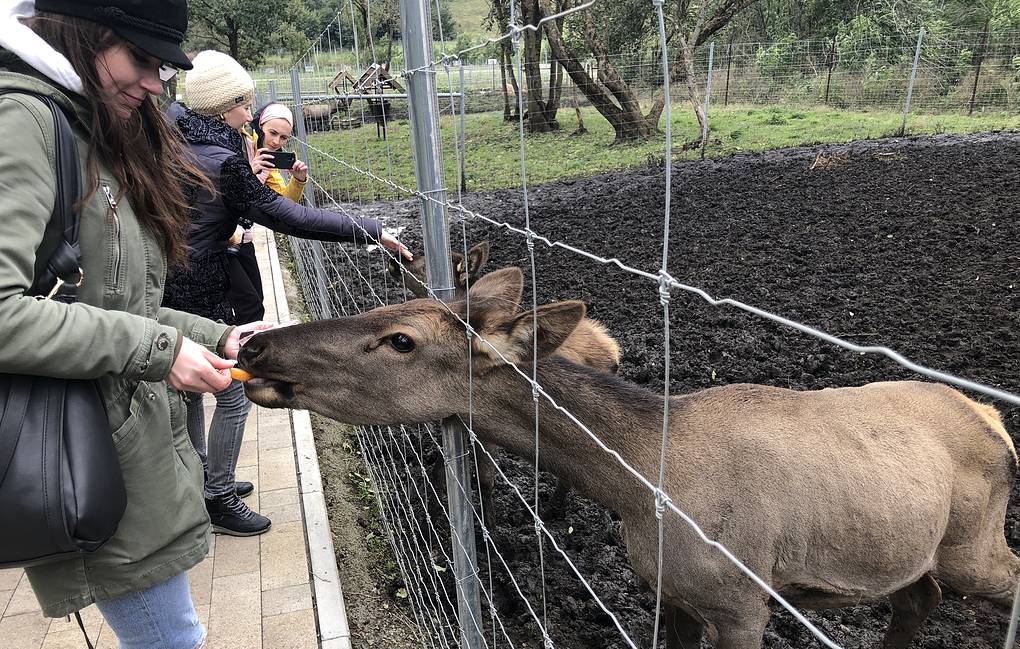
{"x": 433, "y": 524}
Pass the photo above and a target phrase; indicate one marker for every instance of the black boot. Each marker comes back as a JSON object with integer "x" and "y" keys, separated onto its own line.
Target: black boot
{"x": 229, "y": 515}
{"x": 243, "y": 489}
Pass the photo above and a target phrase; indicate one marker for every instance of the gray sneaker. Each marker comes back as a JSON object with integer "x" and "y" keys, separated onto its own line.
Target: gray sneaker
{"x": 229, "y": 515}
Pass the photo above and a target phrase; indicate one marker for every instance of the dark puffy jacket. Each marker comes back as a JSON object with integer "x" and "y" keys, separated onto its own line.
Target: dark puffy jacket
{"x": 219, "y": 150}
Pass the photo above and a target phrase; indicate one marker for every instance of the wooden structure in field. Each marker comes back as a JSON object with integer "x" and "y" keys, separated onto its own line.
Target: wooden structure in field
{"x": 373, "y": 85}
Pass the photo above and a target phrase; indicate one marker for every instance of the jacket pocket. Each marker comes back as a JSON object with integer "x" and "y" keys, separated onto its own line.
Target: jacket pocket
{"x": 114, "y": 280}
{"x": 165, "y": 504}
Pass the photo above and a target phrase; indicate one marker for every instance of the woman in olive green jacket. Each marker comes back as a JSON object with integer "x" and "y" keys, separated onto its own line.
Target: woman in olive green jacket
{"x": 133, "y": 217}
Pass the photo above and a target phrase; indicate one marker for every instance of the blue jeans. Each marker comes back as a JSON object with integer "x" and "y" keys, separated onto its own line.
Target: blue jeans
{"x": 226, "y": 432}
{"x": 160, "y": 617}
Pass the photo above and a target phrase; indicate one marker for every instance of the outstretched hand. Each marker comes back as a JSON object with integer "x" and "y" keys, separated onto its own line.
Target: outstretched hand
{"x": 241, "y": 333}
{"x": 391, "y": 242}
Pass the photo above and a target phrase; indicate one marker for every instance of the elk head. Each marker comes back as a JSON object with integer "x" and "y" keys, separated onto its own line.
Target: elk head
{"x": 463, "y": 272}
{"x": 403, "y": 363}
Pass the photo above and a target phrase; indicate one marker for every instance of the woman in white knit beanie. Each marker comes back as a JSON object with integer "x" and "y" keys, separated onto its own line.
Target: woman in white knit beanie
{"x": 217, "y": 86}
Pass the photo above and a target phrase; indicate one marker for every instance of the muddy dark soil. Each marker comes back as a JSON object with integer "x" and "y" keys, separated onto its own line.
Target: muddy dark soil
{"x": 910, "y": 243}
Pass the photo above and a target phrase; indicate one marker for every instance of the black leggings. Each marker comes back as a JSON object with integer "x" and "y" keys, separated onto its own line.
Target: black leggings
{"x": 245, "y": 293}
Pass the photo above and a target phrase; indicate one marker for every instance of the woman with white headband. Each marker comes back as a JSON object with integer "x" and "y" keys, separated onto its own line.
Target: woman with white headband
{"x": 271, "y": 129}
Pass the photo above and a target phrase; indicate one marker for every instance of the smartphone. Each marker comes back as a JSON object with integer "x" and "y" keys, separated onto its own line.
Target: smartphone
{"x": 282, "y": 159}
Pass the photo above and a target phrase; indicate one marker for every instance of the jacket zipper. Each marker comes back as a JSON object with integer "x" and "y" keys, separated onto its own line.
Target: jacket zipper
{"x": 116, "y": 231}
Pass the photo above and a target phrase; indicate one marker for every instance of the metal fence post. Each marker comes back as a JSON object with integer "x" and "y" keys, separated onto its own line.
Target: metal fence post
{"x": 708, "y": 82}
{"x": 416, "y": 23}
{"x": 302, "y": 133}
{"x": 729, "y": 64}
{"x": 273, "y": 94}
{"x": 318, "y": 255}
{"x": 832, "y": 62}
{"x": 913, "y": 76}
{"x": 708, "y": 97}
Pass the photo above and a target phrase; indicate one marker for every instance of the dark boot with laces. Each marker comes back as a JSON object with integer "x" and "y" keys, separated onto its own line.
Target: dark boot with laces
{"x": 229, "y": 515}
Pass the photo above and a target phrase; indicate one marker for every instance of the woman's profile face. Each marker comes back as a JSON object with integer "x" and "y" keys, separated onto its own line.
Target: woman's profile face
{"x": 238, "y": 116}
{"x": 277, "y": 133}
{"x": 127, "y": 76}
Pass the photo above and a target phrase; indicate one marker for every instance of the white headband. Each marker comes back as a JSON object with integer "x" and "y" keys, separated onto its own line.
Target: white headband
{"x": 276, "y": 111}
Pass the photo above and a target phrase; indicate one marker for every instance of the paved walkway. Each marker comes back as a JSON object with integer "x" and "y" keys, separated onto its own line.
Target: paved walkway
{"x": 251, "y": 593}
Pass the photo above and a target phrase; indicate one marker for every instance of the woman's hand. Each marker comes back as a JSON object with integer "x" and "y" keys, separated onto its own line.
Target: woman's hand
{"x": 236, "y": 238}
{"x": 391, "y": 242}
{"x": 299, "y": 171}
{"x": 241, "y": 333}
{"x": 196, "y": 369}
{"x": 262, "y": 161}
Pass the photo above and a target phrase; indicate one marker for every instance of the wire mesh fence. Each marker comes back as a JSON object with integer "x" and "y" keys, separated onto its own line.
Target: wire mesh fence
{"x": 413, "y": 468}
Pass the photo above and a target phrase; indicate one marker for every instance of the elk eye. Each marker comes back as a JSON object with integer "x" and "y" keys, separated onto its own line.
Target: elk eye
{"x": 402, "y": 343}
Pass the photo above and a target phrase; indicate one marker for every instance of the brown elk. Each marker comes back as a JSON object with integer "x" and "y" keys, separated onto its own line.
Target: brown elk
{"x": 834, "y": 497}
{"x": 589, "y": 344}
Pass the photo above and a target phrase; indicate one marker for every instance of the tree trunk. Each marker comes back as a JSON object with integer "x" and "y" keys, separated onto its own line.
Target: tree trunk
{"x": 538, "y": 119}
{"x": 232, "y": 37}
{"x": 506, "y": 59}
{"x": 503, "y": 64}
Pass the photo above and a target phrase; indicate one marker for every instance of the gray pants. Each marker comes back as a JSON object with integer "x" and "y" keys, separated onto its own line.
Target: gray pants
{"x": 226, "y": 433}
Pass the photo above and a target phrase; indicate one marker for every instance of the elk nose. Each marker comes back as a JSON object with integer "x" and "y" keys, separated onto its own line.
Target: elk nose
{"x": 251, "y": 351}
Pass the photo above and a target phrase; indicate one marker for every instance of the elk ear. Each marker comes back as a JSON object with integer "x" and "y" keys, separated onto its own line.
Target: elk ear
{"x": 503, "y": 287}
{"x": 394, "y": 266}
{"x": 477, "y": 258}
{"x": 555, "y": 323}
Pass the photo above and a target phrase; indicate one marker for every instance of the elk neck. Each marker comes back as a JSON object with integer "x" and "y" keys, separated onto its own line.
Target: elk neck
{"x": 626, "y": 417}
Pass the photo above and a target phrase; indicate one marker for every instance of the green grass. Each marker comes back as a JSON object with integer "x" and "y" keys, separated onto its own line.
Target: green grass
{"x": 493, "y": 153}
{"x": 470, "y": 16}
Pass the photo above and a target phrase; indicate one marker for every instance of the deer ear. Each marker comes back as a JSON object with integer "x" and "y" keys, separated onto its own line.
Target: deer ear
{"x": 477, "y": 258}
{"x": 503, "y": 287}
{"x": 555, "y": 323}
{"x": 394, "y": 267}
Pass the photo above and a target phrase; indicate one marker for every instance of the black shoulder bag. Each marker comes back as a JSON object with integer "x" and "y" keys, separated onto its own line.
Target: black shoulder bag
{"x": 61, "y": 487}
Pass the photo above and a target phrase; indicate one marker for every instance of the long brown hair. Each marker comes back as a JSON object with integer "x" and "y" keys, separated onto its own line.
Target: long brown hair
{"x": 147, "y": 157}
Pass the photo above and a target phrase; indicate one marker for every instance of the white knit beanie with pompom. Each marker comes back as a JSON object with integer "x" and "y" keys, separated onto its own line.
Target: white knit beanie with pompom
{"x": 217, "y": 83}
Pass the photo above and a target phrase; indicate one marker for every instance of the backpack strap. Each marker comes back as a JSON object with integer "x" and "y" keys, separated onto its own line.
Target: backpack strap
{"x": 63, "y": 270}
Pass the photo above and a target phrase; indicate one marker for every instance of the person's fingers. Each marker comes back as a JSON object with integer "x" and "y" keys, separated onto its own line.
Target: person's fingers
{"x": 218, "y": 363}
{"x": 406, "y": 252}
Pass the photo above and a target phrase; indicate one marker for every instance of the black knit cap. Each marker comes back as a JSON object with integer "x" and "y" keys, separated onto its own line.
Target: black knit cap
{"x": 156, "y": 28}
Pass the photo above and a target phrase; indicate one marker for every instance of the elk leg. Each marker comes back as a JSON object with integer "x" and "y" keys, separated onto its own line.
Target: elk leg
{"x": 558, "y": 501}
{"x": 744, "y": 627}
{"x": 682, "y": 630}
{"x": 910, "y": 607}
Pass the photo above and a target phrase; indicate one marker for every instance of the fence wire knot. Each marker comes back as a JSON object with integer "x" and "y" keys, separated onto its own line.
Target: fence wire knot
{"x": 657, "y": 3}
{"x": 538, "y": 526}
{"x": 530, "y": 236}
{"x": 470, "y": 331}
{"x": 661, "y": 502}
{"x": 547, "y": 641}
{"x": 534, "y": 391}
{"x": 406, "y": 74}
{"x": 665, "y": 287}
